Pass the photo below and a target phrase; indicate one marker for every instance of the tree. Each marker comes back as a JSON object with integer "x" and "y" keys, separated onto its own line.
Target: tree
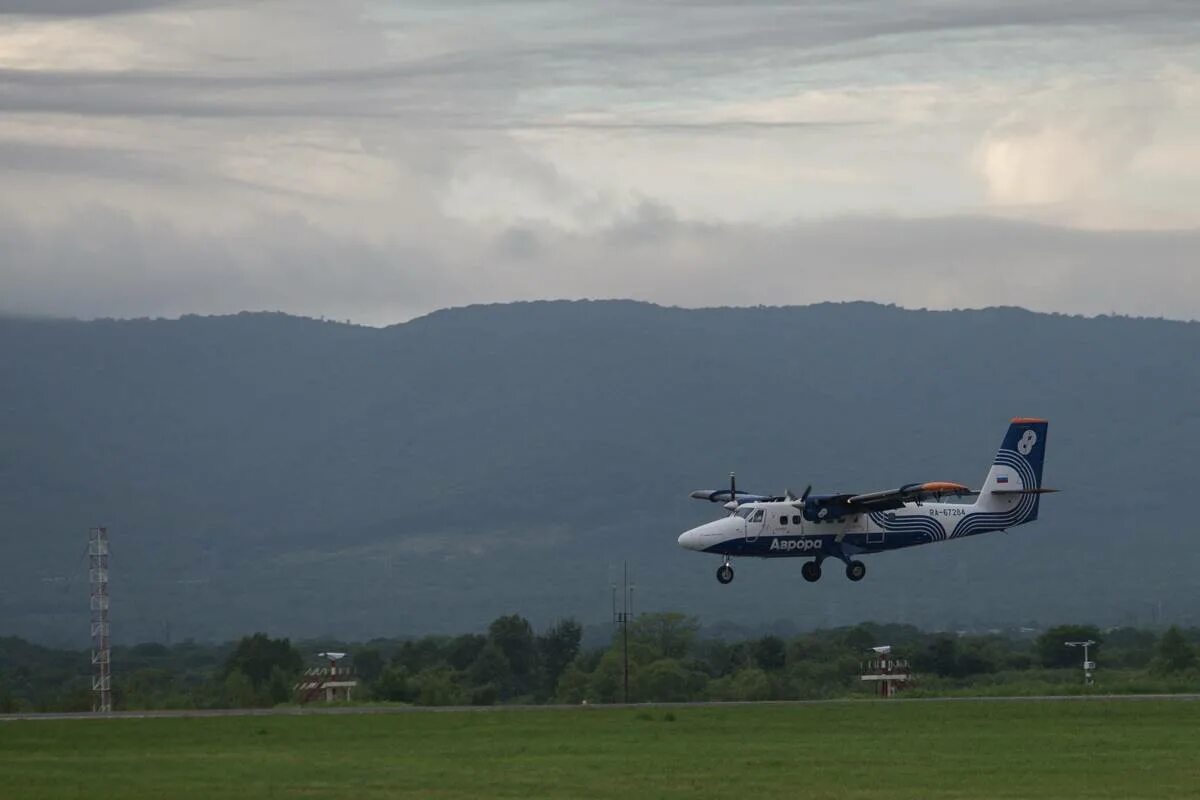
{"x": 1129, "y": 647}
{"x": 572, "y": 685}
{"x": 557, "y": 648}
{"x": 669, "y": 633}
{"x": 607, "y": 683}
{"x": 368, "y": 663}
{"x": 1174, "y": 653}
{"x": 279, "y": 687}
{"x": 256, "y": 656}
{"x": 491, "y": 668}
{"x": 437, "y": 687}
{"x": 1054, "y": 653}
{"x": 940, "y": 657}
{"x": 462, "y": 651}
{"x": 665, "y": 681}
{"x": 514, "y": 636}
{"x": 237, "y": 691}
{"x": 770, "y": 653}
{"x": 747, "y": 684}
{"x": 859, "y": 638}
{"x": 8, "y": 703}
{"x": 975, "y": 657}
{"x": 420, "y": 654}
{"x": 393, "y": 684}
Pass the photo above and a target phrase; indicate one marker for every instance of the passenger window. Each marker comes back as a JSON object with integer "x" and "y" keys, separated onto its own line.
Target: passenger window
{"x": 795, "y": 519}
{"x": 783, "y": 520}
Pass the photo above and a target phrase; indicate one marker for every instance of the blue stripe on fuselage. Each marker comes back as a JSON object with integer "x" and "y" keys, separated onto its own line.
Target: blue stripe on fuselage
{"x": 811, "y": 546}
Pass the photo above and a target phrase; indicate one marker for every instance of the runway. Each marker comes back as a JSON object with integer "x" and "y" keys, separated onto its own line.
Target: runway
{"x": 303, "y": 711}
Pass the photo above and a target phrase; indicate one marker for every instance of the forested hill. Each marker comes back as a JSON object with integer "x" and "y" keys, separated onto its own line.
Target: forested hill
{"x": 267, "y": 472}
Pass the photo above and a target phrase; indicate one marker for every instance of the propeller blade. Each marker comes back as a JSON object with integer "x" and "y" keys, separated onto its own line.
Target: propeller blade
{"x": 807, "y": 491}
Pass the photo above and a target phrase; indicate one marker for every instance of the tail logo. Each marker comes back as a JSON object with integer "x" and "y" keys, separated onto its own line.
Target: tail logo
{"x": 1028, "y": 440}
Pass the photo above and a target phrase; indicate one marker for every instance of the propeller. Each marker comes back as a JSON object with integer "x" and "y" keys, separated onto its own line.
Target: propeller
{"x": 733, "y": 501}
{"x": 798, "y": 502}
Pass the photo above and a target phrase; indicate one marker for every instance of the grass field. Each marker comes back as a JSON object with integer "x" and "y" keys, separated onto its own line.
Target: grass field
{"x": 1093, "y": 749}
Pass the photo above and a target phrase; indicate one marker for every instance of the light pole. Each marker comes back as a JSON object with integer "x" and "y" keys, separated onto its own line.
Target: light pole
{"x": 1088, "y": 665}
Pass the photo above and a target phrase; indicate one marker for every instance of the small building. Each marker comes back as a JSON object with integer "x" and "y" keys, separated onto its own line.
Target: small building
{"x": 888, "y": 672}
{"x": 328, "y": 684}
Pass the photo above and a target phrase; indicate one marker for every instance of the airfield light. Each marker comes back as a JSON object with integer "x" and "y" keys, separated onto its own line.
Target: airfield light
{"x": 1089, "y": 666}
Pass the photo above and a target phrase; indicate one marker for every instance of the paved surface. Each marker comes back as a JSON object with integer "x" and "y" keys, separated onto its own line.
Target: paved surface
{"x": 302, "y": 711}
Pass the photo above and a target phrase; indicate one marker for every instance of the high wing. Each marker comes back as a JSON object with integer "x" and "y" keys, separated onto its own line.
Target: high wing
{"x": 909, "y": 493}
{"x": 831, "y": 507}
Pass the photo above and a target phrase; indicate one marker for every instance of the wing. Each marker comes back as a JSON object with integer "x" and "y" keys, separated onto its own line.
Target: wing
{"x": 909, "y": 493}
{"x": 725, "y": 496}
{"x": 830, "y": 507}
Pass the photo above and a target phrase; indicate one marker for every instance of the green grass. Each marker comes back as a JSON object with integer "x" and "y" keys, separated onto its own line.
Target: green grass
{"x": 892, "y": 751}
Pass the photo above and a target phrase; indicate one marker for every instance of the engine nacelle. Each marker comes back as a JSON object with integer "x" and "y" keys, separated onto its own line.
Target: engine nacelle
{"x": 827, "y": 508}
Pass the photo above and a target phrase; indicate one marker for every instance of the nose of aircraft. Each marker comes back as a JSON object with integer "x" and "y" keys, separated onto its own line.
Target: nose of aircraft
{"x": 693, "y": 539}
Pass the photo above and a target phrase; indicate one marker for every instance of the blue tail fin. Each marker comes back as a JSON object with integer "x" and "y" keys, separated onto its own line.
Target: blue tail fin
{"x": 1017, "y": 469}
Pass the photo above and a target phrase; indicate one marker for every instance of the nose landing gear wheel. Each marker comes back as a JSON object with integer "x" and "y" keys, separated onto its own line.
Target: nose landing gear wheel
{"x": 855, "y": 570}
{"x": 811, "y": 571}
{"x": 724, "y": 573}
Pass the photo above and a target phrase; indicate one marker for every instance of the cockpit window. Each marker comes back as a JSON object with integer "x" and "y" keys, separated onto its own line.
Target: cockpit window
{"x": 744, "y": 512}
{"x": 758, "y": 515}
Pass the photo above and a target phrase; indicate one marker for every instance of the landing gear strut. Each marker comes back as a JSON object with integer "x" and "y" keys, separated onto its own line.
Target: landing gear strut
{"x": 725, "y": 572}
{"x": 855, "y": 570}
{"x": 811, "y": 571}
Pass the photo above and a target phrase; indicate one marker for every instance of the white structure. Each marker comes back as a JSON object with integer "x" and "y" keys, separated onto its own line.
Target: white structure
{"x": 888, "y": 672}
{"x": 1089, "y": 666}
{"x": 101, "y": 649}
{"x": 326, "y": 683}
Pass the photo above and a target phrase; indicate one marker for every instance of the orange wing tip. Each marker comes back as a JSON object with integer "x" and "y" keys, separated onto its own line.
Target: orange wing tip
{"x": 1025, "y": 420}
{"x": 944, "y": 486}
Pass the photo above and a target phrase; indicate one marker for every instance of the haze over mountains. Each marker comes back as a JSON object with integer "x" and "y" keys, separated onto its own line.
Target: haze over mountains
{"x": 267, "y": 472}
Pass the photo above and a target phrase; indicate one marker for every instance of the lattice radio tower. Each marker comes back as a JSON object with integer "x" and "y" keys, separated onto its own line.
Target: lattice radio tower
{"x": 101, "y": 651}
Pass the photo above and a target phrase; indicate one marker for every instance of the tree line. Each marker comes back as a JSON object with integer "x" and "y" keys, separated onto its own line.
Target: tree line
{"x": 668, "y": 661}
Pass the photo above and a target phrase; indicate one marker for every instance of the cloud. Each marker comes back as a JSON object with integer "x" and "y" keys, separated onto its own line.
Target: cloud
{"x": 1048, "y": 152}
{"x": 375, "y": 160}
{"x": 81, "y": 8}
{"x": 99, "y": 263}
{"x": 102, "y": 263}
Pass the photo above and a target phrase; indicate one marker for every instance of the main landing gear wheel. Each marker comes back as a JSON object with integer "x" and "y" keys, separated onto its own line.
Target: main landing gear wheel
{"x": 724, "y": 573}
{"x": 811, "y": 571}
{"x": 855, "y": 570}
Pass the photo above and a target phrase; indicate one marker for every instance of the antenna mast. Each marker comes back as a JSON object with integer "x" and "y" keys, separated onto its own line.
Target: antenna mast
{"x": 622, "y": 618}
{"x": 101, "y": 650}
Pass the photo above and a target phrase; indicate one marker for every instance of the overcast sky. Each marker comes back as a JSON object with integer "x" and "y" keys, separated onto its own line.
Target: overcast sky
{"x": 378, "y": 160}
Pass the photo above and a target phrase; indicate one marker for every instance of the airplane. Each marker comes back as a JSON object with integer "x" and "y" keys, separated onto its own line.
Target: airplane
{"x": 843, "y": 526}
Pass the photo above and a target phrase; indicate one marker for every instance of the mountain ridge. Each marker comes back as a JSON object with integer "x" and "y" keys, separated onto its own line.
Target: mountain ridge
{"x": 305, "y": 477}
